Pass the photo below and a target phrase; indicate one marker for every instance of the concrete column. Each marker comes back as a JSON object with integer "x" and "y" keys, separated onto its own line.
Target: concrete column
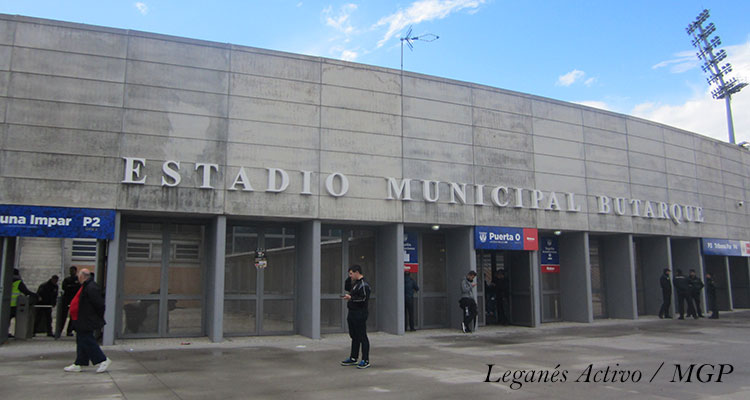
{"x": 7, "y": 260}
{"x": 575, "y": 277}
{"x": 686, "y": 255}
{"x": 536, "y": 289}
{"x": 461, "y": 258}
{"x": 308, "y": 279}
{"x": 619, "y": 276}
{"x": 728, "y": 274}
{"x": 389, "y": 272}
{"x": 655, "y": 255}
{"x": 111, "y": 311}
{"x": 217, "y": 244}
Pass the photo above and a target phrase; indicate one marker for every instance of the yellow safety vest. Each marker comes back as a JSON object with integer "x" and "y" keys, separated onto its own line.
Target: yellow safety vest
{"x": 14, "y": 294}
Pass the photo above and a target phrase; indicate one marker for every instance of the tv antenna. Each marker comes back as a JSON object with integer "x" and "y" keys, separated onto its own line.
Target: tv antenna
{"x": 409, "y": 39}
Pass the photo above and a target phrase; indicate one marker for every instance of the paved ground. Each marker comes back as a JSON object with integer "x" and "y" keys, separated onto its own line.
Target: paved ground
{"x": 434, "y": 364}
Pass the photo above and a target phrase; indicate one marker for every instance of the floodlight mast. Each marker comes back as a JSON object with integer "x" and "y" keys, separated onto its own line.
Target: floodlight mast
{"x": 716, "y": 73}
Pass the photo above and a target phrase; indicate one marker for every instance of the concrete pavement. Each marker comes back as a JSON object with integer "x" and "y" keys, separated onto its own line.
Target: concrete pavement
{"x": 431, "y": 364}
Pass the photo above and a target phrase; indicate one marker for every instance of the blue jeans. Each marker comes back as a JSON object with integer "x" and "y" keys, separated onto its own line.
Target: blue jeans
{"x": 87, "y": 349}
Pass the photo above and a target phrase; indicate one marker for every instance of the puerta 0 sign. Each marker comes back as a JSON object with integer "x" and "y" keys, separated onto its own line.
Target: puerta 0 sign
{"x": 502, "y": 238}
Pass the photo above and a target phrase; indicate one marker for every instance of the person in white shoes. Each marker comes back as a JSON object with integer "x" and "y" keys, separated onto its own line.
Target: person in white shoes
{"x": 87, "y": 315}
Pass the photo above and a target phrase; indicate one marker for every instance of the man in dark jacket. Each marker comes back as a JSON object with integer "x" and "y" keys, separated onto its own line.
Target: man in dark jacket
{"x": 682, "y": 287}
{"x": 87, "y": 315}
{"x": 696, "y": 285}
{"x": 711, "y": 297}
{"x": 47, "y": 293}
{"x": 666, "y": 294}
{"x": 409, "y": 288}
{"x": 357, "y": 300}
{"x": 70, "y": 287}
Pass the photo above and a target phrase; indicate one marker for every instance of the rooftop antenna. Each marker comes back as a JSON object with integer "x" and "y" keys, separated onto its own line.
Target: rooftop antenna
{"x": 409, "y": 39}
{"x": 724, "y": 88}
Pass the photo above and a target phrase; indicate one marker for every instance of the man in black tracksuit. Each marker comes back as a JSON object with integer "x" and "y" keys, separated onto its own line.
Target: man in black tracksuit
{"x": 682, "y": 287}
{"x": 357, "y": 298}
{"x": 666, "y": 294}
{"x": 711, "y": 297}
{"x": 696, "y": 285}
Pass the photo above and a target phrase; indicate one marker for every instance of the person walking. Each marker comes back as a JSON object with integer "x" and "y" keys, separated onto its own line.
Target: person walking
{"x": 47, "y": 293}
{"x": 87, "y": 315}
{"x": 682, "y": 287}
{"x": 467, "y": 302}
{"x": 666, "y": 294}
{"x": 357, "y": 300}
{"x": 410, "y": 286}
{"x": 696, "y": 285}
{"x": 711, "y": 297}
{"x": 18, "y": 288}
{"x": 70, "y": 286}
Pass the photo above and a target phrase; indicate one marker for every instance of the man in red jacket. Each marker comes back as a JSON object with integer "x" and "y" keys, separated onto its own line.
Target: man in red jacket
{"x": 87, "y": 315}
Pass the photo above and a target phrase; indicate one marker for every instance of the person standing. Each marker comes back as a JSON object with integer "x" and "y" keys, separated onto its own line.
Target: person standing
{"x": 711, "y": 297}
{"x": 17, "y": 289}
{"x": 357, "y": 300}
{"x": 682, "y": 287}
{"x": 467, "y": 302}
{"x": 666, "y": 294}
{"x": 70, "y": 286}
{"x": 47, "y": 293}
{"x": 696, "y": 285}
{"x": 501, "y": 294}
{"x": 87, "y": 315}
{"x": 410, "y": 286}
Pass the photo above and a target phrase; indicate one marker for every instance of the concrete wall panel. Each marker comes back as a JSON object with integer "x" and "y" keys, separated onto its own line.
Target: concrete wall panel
{"x": 645, "y": 130}
{"x": 437, "y": 151}
{"x": 180, "y": 199}
{"x": 5, "y": 56}
{"x": 558, "y": 130}
{"x": 273, "y": 111}
{"x": 603, "y": 120}
{"x": 361, "y": 121}
{"x": 271, "y": 204}
{"x": 356, "y": 99}
{"x": 70, "y": 40}
{"x": 356, "y": 164}
{"x": 559, "y": 165}
{"x": 64, "y": 115}
{"x": 58, "y": 63}
{"x": 438, "y": 131}
{"x": 502, "y": 121}
{"x": 484, "y": 138}
{"x": 556, "y": 111}
{"x": 606, "y": 155}
{"x": 499, "y": 101}
{"x": 69, "y": 90}
{"x": 617, "y": 173}
{"x": 350, "y": 209}
{"x": 35, "y": 192}
{"x": 438, "y": 90}
{"x": 179, "y": 53}
{"x": 557, "y": 147}
{"x": 264, "y": 133}
{"x": 304, "y": 69}
{"x": 357, "y": 142}
{"x": 58, "y": 167}
{"x": 605, "y": 138}
{"x": 287, "y": 158}
{"x": 177, "y": 77}
{"x": 438, "y": 111}
{"x": 171, "y": 124}
{"x": 179, "y": 101}
{"x": 274, "y": 89}
{"x": 360, "y": 78}
{"x": 497, "y": 158}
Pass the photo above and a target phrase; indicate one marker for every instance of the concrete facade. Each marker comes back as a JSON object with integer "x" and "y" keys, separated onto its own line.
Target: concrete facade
{"x": 153, "y": 125}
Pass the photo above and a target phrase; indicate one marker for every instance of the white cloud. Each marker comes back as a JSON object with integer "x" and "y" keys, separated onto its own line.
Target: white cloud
{"x": 702, "y": 114}
{"x": 142, "y": 7}
{"x": 683, "y": 61}
{"x": 348, "y": 55}
{"x": 570, "y": 78}
{"x": 423, "y": 10}
{"x": 341, "y": 20}
{"x": 589, "y": 82}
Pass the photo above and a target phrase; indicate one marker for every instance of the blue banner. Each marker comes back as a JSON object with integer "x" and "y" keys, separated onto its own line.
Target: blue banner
{"x": 550, "y": 251}
{"x": 411, "y": 255}
{"x": 725, "y": 247}
{"x": 501, "y": 238}
{"x": 59, "y": 222}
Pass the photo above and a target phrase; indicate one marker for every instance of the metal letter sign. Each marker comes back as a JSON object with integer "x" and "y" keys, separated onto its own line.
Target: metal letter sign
{"x": 499, "y": 238}
{"x": 411, "y": 262}
{"x": 56, "y": 222}
{"x": 725, "y": 247}
{"x": 550, "y": 255}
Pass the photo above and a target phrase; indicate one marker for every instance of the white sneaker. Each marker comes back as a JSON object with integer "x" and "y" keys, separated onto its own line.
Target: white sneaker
{"x": 103, "y": 365}
{"x": 72, "y": 368}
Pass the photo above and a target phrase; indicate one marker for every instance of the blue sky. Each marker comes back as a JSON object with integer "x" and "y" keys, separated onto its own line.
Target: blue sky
{"x": 632, "y": 57}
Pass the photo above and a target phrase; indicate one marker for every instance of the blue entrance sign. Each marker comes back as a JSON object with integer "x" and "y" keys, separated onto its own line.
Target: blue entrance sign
{"x": 501, "y": 238}
{"x": 550, "y": 254}
{"x": 725, "y": 247}
{"x": 60, "y": 222}
{"x": 411, "y": 260}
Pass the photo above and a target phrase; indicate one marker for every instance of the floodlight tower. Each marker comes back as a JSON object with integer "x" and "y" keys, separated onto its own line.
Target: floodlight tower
{"x": 725, "y": 88}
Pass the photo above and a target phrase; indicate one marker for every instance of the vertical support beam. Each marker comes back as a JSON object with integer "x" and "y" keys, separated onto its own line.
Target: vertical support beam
{"x": 536, "y": 289}
{"x": 217, "y": 238}
{"x": 575, "y": 278}
{"x": 113, "y": 284}
{"x": 461, "y": 258}
{"x": 7, "y": 261}
{"x": 390, "y": 278}
{"x": 655, "y": 254}
{"x": 619, "y": 276}
{"x": 308, "y": 279}
{"x": 728, "y": 273}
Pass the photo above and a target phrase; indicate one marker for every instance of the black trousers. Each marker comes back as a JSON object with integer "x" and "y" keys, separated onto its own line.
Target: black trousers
{"x": 409, "y": 308}
{"x": 500, "y": 310}
{"x": 666, "y": 301}
{"x": 87, "y": 349}
{"x": 357, "y": 320}
{"x": 696, "y": 299}
{"x": 681, "y": 300}
{"x": 470, "y": 312}
{"x": 712, "y": 306}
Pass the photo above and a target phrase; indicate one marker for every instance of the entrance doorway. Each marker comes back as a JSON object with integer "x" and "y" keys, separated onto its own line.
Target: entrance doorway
{"x": 431, "y": 301}
{"x": 259, "y": 280}
{"x": 162, "y": 283}
{"x": 516, "y": 266}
